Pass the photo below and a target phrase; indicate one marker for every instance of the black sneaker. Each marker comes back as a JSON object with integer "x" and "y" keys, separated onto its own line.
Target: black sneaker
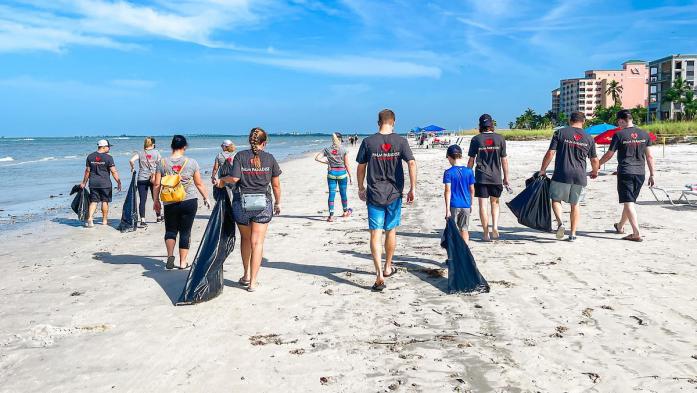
{"x": 143, "y": 224}
{"x": 571, "y": 238}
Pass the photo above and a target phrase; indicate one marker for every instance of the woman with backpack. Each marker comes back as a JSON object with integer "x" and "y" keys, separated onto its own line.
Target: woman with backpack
{"x": 177, "y": 180}
{"x": 147, "y": 164}
{"x": 256, "y": 174}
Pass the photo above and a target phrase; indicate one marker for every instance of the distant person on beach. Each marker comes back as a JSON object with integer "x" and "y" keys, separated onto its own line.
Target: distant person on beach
{"x": 256, "y": 174}
{"x": 380, "y": 163}
{"x": 99, "y": 167}
{"x": 335, "y": 157}
{"x": 179, "y": 214}
{"x": 147, "y": 166}
{"x": 572, "y": 146}
{"x": 458, "y": 182}
{"x": 488, "y": 151}
{"x": 633, "y": 155}
{"x": 224, "y": 157}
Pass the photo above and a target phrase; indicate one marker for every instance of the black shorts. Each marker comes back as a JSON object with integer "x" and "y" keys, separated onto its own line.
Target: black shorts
{"x": 100, "y": 194}
{"x": 487, "y": 190}
{"x": 246, "y": 217}
{"x": 628, "y": 187}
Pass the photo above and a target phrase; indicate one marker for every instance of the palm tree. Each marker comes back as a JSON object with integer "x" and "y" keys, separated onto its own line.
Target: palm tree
{"x": 689, "y": 105}
{"x": 528, "y": 118}
{"x": 614, "y": 90}
{"x": 677, "y": 93}
{"x": 511, "y": 125}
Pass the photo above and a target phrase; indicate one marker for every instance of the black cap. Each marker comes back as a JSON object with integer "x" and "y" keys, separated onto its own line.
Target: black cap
{"x": 453, "y": 150}
{"x": 485, "y": 121}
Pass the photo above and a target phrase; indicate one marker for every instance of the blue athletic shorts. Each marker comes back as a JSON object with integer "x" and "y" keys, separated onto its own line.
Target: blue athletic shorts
{"x": 385, "y": 217}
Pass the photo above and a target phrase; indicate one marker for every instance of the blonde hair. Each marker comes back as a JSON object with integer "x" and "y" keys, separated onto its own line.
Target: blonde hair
{"x": 257, "y": 137}
{"x": 336, "y": 140}
{"x": 230, "y": 148}
{"x": 148, "y": 142}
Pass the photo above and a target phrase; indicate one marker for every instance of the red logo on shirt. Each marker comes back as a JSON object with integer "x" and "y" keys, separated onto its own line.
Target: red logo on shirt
{"x": 229, "y": 159}
{"x": 148, "y": 156}
{"x": 335, "y": 151}
{"x": 176, "y": 168}
{"x": 634, "y": 135}
{"x": 578, "y": 137}
{"x": 386, "y": 147}
{"x": 489, "y": 142}
{"x": 98, "y": 158}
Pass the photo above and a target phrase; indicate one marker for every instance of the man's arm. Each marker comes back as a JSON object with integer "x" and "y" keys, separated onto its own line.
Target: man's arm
{"x": 504, "y": 164}
{"x": 115, "y": 173}
{"x": 85, "y": 178}
{"x": 650, "y": 162}
{"x": 606, "y": 157}
{"x": 470, "y": 163}
{"x": 546, "y": 161}
{"x": 360, "y": 178}
{"x": 412, "y": 182}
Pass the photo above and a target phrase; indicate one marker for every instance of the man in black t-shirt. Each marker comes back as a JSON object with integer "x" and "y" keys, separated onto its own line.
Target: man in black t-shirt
{"x": 488, "y": 151}
{"x": 99, "y": 167}
{"x": 380, "y": 158}
{"x": 572, "y": 146}
{"x": 633, "y": 154}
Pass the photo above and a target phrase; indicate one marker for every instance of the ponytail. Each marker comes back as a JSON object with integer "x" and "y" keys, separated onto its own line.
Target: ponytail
{"x": 336, "y": 140}
{"x": 257, "y": 137}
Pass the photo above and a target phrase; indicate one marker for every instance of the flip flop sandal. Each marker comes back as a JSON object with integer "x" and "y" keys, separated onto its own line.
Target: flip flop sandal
{"x": 183, "y": 268}
{"x": 243, "y": 282}
{"x": 631, "y": 238}
{"x": 394, "y": 271}
{"x": 617, "y": 228}
{"x": 170, "y": 263}
{"x": 378, "y": 287}
{"x": 251, "y": 288}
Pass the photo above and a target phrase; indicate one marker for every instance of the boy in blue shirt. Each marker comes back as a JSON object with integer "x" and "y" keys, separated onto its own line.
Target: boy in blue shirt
{"x": 459, "y": 188}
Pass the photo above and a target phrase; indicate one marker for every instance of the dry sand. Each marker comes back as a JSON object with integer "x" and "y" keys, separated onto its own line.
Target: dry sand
{"x": 92, "y": 310}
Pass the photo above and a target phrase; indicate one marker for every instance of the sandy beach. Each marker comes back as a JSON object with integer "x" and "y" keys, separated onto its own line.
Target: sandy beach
{"x": 92, "y": 309}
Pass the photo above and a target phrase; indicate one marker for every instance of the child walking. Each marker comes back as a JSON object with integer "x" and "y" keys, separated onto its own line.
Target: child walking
{"x": 459, "y": 188}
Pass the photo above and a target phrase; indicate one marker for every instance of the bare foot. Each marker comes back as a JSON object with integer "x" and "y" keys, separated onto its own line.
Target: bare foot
{"x": 105, "y": 222}
{"x": 495, "y": 234}
{"x": 330, "y": 219}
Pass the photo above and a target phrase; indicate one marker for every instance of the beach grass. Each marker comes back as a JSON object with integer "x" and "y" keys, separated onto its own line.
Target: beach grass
{"x": 662, "y": 129}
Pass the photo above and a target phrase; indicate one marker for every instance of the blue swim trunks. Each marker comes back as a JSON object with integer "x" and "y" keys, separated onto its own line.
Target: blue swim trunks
{"x": 385, "y": 217}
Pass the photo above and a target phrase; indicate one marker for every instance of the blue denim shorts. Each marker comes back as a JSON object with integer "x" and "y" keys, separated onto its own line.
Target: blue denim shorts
{"x": 385, "y": 217}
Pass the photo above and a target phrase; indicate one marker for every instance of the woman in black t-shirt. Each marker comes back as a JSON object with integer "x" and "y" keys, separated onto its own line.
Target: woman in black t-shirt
{"x": 255, "y": 172}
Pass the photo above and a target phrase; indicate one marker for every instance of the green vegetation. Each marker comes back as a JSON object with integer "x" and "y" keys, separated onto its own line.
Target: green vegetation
{"x": 682, "y": 95}
{"x": 614, "y": 90}
{"x": 672, "y": 128}
{"x": 530, "y": 120}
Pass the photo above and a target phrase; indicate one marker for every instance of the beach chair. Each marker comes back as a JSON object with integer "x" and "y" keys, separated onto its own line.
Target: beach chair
{"x": 664, "y": 195}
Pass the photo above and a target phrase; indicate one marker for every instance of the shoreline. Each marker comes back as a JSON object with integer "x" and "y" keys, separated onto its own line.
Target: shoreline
{"x": 92, "y": 309}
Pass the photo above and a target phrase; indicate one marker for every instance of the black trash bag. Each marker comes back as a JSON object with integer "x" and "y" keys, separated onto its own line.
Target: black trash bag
{"x": 225, "y": 170}
{"x": 205, "y": 279}
{"x": 129, "y": 215}
{"x": 81, "y": 202}
{"x": 533, "y": 206}
{"x": 463, "y": 275}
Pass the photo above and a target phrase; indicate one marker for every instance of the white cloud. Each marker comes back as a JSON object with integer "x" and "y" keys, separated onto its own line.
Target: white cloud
{"x": 350, "y": 66}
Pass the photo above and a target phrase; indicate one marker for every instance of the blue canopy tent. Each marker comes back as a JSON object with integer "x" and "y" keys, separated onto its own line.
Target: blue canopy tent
{"x": 599, "y": 128}
{"x": 433, "y": 128}
{"x": 416, "y": 129}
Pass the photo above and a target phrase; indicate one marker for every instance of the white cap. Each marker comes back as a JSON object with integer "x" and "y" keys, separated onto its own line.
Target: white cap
{"x": 227, "y": 142}
{"x": 103, "y": 143}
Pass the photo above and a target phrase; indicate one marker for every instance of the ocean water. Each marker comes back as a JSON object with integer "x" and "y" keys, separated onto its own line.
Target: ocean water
{"x": 36, "y": 174}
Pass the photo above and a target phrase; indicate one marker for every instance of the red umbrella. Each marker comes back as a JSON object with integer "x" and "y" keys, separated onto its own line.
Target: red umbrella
{"x": 606, "y": 137}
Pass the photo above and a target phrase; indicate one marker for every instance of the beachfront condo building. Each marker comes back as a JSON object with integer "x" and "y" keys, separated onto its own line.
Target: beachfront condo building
{"x": 662, "y": 74}
{"x": 585, "y": 94}
{"x": 555, "y": 101}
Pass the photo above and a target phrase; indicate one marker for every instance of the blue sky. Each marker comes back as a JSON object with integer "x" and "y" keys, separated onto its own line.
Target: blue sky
{"x": 88, "y": 67}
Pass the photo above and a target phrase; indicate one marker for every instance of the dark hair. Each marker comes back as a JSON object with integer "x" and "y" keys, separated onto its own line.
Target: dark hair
{"x": 385, "y": 116}
{"x": 486, "y": 123}
{"x": 257, "y": 136}
{"x": 577, "y": 117}
{"x": 179, "y": 142}
{"x": 454, "y": 156}
{"x": 624, "y": 114}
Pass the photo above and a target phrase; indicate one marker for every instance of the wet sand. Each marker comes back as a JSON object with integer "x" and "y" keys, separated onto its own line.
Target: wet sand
{"x": 92, "y": 310}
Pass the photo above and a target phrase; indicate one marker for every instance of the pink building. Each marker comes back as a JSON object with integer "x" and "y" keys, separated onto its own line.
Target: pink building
{"x": 585, "y": 94}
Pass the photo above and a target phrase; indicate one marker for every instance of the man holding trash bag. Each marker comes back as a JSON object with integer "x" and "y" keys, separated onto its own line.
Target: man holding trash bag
{"x": 633, "y": 155}
{"x": 572, "y": 146}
